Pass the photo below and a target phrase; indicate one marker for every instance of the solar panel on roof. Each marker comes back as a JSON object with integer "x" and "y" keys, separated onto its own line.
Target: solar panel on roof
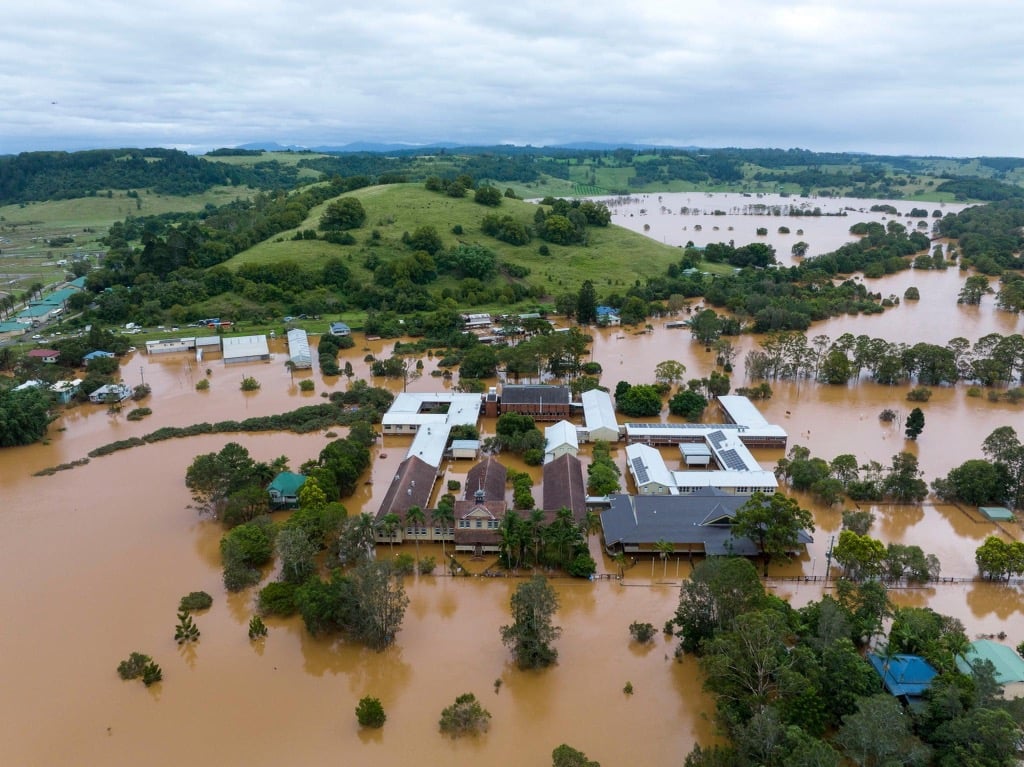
{"x": 716, "y": 438}
{"x": 640, "y": 470}
{"x": 732, "y": 460}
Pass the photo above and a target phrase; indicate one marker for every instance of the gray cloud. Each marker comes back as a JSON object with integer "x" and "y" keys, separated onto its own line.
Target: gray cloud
{"x": 921, "y": 78}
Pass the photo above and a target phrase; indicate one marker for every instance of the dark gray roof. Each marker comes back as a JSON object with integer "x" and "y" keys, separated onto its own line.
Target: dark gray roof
{"x": 696, "y": 518}
{"x": 534, "y": 394}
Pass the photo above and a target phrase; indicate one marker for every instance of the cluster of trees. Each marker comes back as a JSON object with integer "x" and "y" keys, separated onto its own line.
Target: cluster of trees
{"x": 988, "y": 235}
{"x": 602, "y": 472}
{"x": 366, "y": 604}
{"x": 517, "y": 433}
{"x": 756, "y": 254}
{"x": 328, "y": 348}
{"x": 992, "y": 360}
{"x": 639, "y": 400}
{"x": 228, "y": 485}
{"x": 998, "y": 559}
{"x": 863, "y": 557}
{"x": 566, "y": 222}
{"x": 24, "y": 416}
{"x": 535, "y": 540}
{"x": 829, "y": 481}
{"x": 792, "y": 687}
{"x": 998, "y": 479}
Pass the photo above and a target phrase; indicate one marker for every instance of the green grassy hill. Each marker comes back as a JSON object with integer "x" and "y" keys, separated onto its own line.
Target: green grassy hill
{"x": 613, "y": 256}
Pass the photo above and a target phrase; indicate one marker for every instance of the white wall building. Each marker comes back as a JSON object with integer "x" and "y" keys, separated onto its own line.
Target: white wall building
{"x": 560, "y": 439}
{"x": 599, "y": 416}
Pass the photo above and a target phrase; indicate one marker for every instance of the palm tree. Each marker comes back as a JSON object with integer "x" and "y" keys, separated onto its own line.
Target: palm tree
{"x": 534, "y": 533}
{"x": 366, "y": 534}
{"x": 444, "y": 517}
{"x": 620, "y": 560}
{"x": 664, "y": 548}
{"x": 415, "y": 517}
{"x": 565, "y": 535}
{"x": 389, "y": 523}
{"x": 511, "y": 531}
{"x": 886, "y": 652}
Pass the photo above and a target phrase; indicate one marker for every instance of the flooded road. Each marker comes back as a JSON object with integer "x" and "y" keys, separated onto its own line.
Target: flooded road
{"x": 96, "y": 559}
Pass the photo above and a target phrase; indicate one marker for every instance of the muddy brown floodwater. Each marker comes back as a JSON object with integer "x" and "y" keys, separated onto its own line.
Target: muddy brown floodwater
{"x": 95, "y": 560}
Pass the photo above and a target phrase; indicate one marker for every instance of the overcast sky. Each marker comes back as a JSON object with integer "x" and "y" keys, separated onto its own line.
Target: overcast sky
{"x": 899, "y": 76}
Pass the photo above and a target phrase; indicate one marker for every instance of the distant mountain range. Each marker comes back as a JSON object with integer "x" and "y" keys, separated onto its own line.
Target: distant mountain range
{"x": 369, "y": 146}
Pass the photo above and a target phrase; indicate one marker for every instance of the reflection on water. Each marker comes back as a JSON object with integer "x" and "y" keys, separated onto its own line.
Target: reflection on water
{"x": 97, "y": 558}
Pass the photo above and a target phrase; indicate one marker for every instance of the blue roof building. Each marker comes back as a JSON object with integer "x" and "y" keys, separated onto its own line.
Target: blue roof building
{"x": 905, "y": 676}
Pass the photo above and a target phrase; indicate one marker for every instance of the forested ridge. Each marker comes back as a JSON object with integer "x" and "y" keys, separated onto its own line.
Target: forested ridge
{"x": 37, "y": 176}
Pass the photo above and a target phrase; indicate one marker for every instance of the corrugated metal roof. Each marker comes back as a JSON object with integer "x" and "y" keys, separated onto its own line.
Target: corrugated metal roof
{"x": 1008, "y": 664}
{"x": 598, "y": 410}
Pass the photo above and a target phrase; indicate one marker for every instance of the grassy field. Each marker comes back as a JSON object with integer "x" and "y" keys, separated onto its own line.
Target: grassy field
{"x": 285, "y": 158}
{"x": 25, "y": 255}
{"x": 614, "y": 256}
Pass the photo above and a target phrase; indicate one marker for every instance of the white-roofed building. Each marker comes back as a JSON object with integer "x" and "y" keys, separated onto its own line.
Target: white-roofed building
{"x": 649, "y": 472}
{"x": 430, "y": 417}
{"x": 560, "y": 439}
{"x": 695, "y": 453}
{"x": 737, "y": 472}
{"x": 430, "y": 442}
{"x": 738, "y": 409}
{"x": 298, "y": 349}
{"x": 244, "y": 349}
{"x": 410, "y": 411}
{"x": 599, "y": 416}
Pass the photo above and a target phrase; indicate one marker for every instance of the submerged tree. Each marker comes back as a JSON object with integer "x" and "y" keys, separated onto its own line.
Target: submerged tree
{"x": 774, "y": 523}
{"x": 465, "y": 717}
{"x": 186, "y": 631}
{"x": 370, "y": 712}
{"x": 530, "y": 637}
{"x": 915, "y": 423}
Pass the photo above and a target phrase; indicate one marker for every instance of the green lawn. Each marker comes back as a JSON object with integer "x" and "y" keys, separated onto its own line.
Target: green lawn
{"x": 614, "y": 256}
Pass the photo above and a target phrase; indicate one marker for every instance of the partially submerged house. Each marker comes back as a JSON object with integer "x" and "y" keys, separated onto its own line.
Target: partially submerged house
{"x": 111, "y": 393}
{"x": 340, "y": 329}
{"x": 284, "y": 490}
{"x": 65, "y": 390}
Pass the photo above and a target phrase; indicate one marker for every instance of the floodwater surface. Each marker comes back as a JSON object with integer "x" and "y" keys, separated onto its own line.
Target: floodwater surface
{"x": 96, "y": 559}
